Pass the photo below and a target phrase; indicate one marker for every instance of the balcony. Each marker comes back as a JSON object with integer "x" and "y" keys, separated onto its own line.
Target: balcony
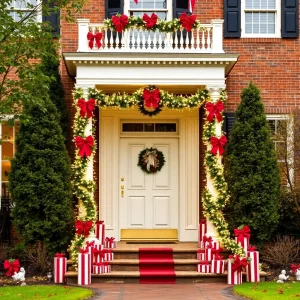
{"x": 206, "y": 39}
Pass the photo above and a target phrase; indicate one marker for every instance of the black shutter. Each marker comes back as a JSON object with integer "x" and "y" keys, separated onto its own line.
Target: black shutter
{"x": 113, "y": 7}
{"x": 289, "y": 18}
{"x": 179, "y": 7}
{"x": 54, "y": 19}
{"x": 232, "y": 18}
{"x": 229, "y": 119}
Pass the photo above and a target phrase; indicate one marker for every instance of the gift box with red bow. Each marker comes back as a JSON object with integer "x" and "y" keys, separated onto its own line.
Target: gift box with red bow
{"x": 204, "y": 267}
{"x": 98, "y": 268}
{"x": 253, "y": 266}
{"x": 84, "y": 267}
{"x": 11, "y": 266}
{"x": 60, "y": 268}
{"x": 110, "y": 243}
{"x": 235, "y": 267}
{"x": 206, "y": 240}
{"x": 201, "y": 254}
{"x": 100, "y": 231}
{"x": 218, "y": 265}
{"x": 108, "y": 255}
{"x": 242, "y": 236}
{"x": 106, "y": 267}
{"x": 201, "y": 232}
{"x": 98, "y": 254}
{"x": 89, "y": 246}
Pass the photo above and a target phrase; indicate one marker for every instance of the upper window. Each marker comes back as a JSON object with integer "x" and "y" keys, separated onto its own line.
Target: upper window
{"x": 20, "y": 8}
{"x": 261, "y": 18}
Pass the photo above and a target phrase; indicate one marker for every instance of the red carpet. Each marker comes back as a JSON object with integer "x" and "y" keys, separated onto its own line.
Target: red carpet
{"x": 156, "y": 265}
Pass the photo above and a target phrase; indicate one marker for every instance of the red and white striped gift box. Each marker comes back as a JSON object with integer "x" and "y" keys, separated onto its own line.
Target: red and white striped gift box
{"x": 89, "y": 246}
{"x": 108, "y": 255}
{"x": 98, "y": 254}
{"x": 204, "y": 267}
{"x": 252, "y": 269}
{"x": 84, "y": 268}
{"x": 98, "y": 268}
{"x": 106, "y": 267}
{"x": 206, "y": 241}
{"x": 244, "y": 244}
{"x": 100, "y": 231}
{"x": 234, "y": 275}
{"x": 218, "y": 266}
{"x": 208, "y": 254}
{"x": 60, "y": 268}
{"x": 216, "y": 245}
{"x": 110, "y": 243}
{"x": 201, "y": 254}
{"x": 201, "y": 232}
{"x": 242, "y": 236}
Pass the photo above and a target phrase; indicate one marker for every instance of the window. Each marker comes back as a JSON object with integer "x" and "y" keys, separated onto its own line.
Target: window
{"x": 261, "y": 18}
{"x": 163, "y": 127}
{"x": 19, "y": 9}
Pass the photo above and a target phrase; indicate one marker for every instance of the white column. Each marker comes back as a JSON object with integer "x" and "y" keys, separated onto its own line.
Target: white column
{"x": 214, "y": 96}
{"x": 217, "y": 36}
{"x": 83, "y": 29}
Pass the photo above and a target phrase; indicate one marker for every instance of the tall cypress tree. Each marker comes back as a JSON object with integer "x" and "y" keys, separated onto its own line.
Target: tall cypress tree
{"x": 39, "y": 180}
{"x": 251, "y": 169}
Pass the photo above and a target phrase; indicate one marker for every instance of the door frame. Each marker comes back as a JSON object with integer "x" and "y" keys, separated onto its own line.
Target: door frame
{"x": 109, "y": 183}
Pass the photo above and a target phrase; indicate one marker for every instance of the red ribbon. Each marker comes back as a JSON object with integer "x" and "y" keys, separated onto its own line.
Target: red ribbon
{"x": 151, "y": 98}
{"x": 83, "y": 227}
{"x": 12, "y": 267}
{"x": 295, "y": 268}
{"x": 86, "y": 107}
{"x": 59, "y": 255}
{"x": 207, "y": 239}
{"x": 251, "y": 248}
{"x": 241, "y": 233}
{"x": 99, "y": 264}
{"x": 90, "y": 244}
{"x": 94, "y": 37}
{"x": 218, "y": 257}
{"x": 218, "y": 144}
{"x": 200, "y": 251}
{"x": 150, "y": 21}
{"x": 85, "y": 145}
{"x": 214, "y": 110}
{"x": 205, "y": 262}
{"x": 187, "y": 21}
{"x": 83, "y": 251}
{"x": 99, "y": 222}
{"x": 238, "y": 264}
{"x": 120, "y": 22}
{"x": 109, "y": 239}
{"x": 97, "y": 252}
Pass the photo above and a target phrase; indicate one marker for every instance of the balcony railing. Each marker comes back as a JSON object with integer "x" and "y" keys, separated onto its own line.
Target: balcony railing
{"x": 206, "y": 39}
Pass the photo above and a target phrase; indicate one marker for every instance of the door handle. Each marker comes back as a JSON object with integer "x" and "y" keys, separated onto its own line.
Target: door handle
{"x": 122, "y": 191}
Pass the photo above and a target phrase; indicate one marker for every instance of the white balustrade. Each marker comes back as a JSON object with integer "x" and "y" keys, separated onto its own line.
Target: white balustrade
{"x": 207, "y": 39}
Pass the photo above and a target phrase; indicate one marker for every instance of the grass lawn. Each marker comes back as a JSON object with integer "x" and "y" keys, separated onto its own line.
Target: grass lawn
{"x": 38, "y": 292}
{"x": 269, "y": 290}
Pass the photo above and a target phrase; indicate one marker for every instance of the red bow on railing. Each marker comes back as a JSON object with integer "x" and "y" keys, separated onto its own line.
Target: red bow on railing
{"x": 120, "y": 22}
{"x": 187, "y": 21}
{"x": 83, "y": 251}
{"x": 150, "y": 21}
{"x": 99, "y": 222}
{"x": 90, "y": 244}
{"x": 83, "y": 227}
{"x": 295, "y": 268}
{"x": 109, "y": 239}
{"x": 86, "y": 107}
{"x": 85, "y": 145}
{"x": 207, "y": 239}
{"x": 238, "y": 264}
{"x": 241, "y": 233}
{"x": 11, "y": 267}
{"x": 94, "y": 37}
{"x": 214, "y": 110}
{"x": 218, "y": 144}
{"x": 151, "y": 98}
{"x": 251, "y": 248}
{"x": 59, "y": 255}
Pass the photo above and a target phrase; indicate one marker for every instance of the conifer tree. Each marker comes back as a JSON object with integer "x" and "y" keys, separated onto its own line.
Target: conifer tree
{"x": 251, "y": 170}
{"x": 39, "y": 180}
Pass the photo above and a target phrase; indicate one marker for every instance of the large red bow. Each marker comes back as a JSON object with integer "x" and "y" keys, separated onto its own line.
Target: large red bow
{"x": 214, "y": 110}
{"x": 83, "y": 227}
{"x": 12, "y": 267}
{"x": 218, "y": 144}
{"x": 187, "y": 21}
{"x": 85, "y": 145}
{"x": 59, "y": 255}
{"x": 120, "y": 22}
{"x": 238, "y": 263}
{"x": 295, "y": 268}
{"x": 150, "y": 21}
{"x": 86, "y": 107}
{"x": 151, "y": 98}
{"x": 94, "y": 37}
{"x": 241, "y": 233}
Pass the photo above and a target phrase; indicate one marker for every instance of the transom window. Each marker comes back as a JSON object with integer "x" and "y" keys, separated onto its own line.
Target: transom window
{"x": 260, "y": 18}
{"x": 19, "y": 8}
{"x": 149, "y": 127}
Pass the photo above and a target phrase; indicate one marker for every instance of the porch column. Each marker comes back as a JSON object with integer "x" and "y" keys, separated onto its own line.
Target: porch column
{"x": 214, "y": 92}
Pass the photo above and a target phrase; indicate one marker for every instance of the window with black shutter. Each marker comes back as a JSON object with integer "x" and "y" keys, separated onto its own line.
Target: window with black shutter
{"x": 289, "y": 18}
{"x": 179, "y": 7}
{"x": 113, "y": 7}
{"x": 229, "y": 118}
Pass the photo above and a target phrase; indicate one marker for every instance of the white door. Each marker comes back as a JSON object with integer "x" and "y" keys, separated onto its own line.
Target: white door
{"x": 149, "y": 201}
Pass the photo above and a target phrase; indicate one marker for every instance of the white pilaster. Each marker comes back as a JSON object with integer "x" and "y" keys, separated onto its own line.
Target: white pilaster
{"x": 217, "y": 36}
{"x": 83, "y": 29}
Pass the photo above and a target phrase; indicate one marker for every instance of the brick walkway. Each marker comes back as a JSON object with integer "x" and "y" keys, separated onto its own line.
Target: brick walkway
{"x": 197, "y": 291}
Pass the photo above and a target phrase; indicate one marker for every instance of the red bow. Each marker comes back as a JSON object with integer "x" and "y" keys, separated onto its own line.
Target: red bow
{"x": 94, "y": 37}
{"x": 241, "y": 233}
{"x": 251, "y": 248}
{"x": 12, "y": 267}
{"x": 207, "y": 239}
{"x": 214, "y": 110}
{"x": 218, "y": 257}
{"x": 83, "y": 227}
{"x": 151, "y": 98}
{"x": 120, "y": 22}
{"x": 86, "y": 107}
{"x": 205, "y": 262}
{"x": 217, "y": 251}
{"x": 60, "y": 255}
{"x": 97, "y": 252}
{"x": 218, "y": 144}
{"x": 238, "y": 264}
{"x": 83, "y": 251}
{"x": 99, "y": 264}
{"x": 99, "y": 222}
{"x": 200, "y": 251}
{"x": 85, "y": 145}
{"x": 150, "y": 21}
{"x": 110, "y": 239}
{"x": 90, "y": 244}
{"x": 295, "y": 268}
{"x": 187, "y": 21}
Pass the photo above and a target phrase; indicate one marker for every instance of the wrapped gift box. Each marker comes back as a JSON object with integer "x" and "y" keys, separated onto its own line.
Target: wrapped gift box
{"x": 253, "y": 267}
{"x": 204, "y": 267}
{"x": 110, "y": 243}
{"x": 108, "y": 255}
{"x": 235, "y": 267}
{"x": 201, "y": 232}
{"x": 201, "y": 254}
{"x": 106, "y": 267}
{"x": 98, "y": 268}
{"x": 242, "y": 237}
{"x": 218, "y": 266}
{"x": 98, "y": 254}
{"x": 60, "y": 268}
{"x": 84, "y": 268}
{"x": 100, "y": 231}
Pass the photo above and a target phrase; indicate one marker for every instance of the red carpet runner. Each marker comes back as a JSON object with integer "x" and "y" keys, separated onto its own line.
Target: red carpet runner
{"x": 156, "y": 265}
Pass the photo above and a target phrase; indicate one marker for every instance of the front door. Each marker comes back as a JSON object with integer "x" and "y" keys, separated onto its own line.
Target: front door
{"x": 148, "y": 201}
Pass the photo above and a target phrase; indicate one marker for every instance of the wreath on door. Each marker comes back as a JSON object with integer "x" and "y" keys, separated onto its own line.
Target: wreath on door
{"x": 151, "y": 160}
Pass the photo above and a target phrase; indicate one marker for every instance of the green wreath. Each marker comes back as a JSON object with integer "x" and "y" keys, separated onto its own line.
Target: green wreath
{"x": 147, "y": 112}
{"x": 151, "y": 160}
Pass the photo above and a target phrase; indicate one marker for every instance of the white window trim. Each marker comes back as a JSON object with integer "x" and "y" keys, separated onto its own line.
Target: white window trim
{"x": 39, "y": 16}
{"x": 256, "y": 35}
